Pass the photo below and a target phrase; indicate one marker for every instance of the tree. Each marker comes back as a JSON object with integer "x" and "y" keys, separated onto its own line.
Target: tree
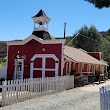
{"x": 100, "y": 3}
{"x": 106, "y": 50}
{"x": 89, "y": 39}
{"x": 68, "y": 41}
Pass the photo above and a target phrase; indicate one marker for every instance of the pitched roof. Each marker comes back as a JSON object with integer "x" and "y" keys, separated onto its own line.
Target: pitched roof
{"x": 41, "y": 13}
{"x": 81, "y": 56}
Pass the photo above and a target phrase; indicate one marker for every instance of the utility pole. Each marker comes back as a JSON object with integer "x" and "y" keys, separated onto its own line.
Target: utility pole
{"x": 64, "y": 29}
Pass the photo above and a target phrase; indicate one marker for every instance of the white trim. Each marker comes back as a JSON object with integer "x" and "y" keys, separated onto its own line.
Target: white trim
{"x": 44, "y": 55}
{"x": 68, "y": 62}
{"x": 43, "y": 66}
{"x": 47, "y": 69}
{"x": 31, "y": 69}
{"x": 7, "y": 57}
{"x": 62, "y": 61}
{"x": 43, "y": 69}
{"x": 56, "y": 70}
{"x": 37, "y": 68}
{"x": 40, "y": 28}
{"x": 68, "y": 58}
{"x": 57, "y": 41}
{"x": 89, "y": 67}
{"x": 42, "y": 19}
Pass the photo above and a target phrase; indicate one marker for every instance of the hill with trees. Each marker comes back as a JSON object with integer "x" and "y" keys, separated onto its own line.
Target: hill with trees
{"x": 3, "y": 49}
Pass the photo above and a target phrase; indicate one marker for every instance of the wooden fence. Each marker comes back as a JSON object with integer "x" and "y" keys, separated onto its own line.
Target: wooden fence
{"x": 19, "y": 90}
{"x": 105, "y": 98}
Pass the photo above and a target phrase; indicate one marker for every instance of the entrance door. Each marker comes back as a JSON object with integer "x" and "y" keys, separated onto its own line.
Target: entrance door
{"x": 44, "y": 67}
{"x": 19, "y": 68}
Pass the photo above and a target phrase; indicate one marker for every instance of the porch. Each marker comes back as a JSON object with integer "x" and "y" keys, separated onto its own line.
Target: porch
{"x": 85, "y": 68}
{"x": 85, "y": 73}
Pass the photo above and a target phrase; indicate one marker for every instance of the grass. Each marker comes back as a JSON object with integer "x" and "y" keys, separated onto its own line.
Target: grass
{"x": 2, "y": 64}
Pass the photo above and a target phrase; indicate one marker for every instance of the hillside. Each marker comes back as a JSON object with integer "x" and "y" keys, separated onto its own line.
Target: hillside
{"x": 3, "y": 49}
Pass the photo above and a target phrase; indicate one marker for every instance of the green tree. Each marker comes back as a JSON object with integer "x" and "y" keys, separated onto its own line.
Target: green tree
{"x": 68, "y": 41}
{"x": 106, "y": 50}
{"x": 89, "y": 39}
{"x": 100, "y": 3}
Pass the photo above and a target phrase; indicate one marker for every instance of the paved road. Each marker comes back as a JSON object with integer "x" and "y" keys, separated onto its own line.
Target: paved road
{"x": 81, "y": 98}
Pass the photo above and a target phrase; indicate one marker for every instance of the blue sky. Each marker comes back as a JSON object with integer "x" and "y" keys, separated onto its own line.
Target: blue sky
{"x": 16, "y": 21}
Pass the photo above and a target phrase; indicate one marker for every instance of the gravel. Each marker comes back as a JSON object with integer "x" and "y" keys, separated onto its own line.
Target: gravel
{"x": 81, "y": 98}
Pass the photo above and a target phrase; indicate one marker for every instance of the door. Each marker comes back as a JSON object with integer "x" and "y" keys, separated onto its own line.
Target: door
{"x": 19, "y": 69}
{"x": 42, "y": 62}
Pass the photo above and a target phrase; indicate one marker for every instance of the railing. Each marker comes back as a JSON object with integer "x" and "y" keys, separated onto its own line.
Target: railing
{"x": 105, "y": 98}
{"x": 19, "y": 90}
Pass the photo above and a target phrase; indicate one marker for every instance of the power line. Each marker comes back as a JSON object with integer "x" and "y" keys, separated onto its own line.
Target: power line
{"x": 88, "y": 37}
{"x": 81, "y": 35}
{"x": 72, "y": 39}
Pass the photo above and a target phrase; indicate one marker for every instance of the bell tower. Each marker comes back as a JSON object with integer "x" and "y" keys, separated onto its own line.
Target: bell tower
{"x": 41, "y": 22}
{"x": 41, "y": 19}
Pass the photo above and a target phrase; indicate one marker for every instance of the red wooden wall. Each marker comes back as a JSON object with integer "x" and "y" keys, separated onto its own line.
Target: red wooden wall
{"x": 30, "y": 49}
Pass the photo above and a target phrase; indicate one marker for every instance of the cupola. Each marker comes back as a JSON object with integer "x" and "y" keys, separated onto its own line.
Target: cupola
{"x": 41, "y": 25}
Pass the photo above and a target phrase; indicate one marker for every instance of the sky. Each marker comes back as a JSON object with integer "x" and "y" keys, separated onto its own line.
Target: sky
{"x": 16, "y": 17}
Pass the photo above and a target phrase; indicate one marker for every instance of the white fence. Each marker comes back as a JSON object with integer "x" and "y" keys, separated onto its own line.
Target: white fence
{"x": 105, "y": 98}
{"x": 3, "y": 72}
{"x": 19, "y": 90}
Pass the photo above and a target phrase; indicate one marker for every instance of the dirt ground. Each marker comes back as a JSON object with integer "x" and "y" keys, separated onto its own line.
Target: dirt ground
{"x": 81, "y": 98}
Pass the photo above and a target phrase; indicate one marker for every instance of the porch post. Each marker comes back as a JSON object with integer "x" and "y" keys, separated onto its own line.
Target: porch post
{"x": 78, "y": 67}
{"x": 93, "y": 69}
{"x": 81, "y": 67}
{"x": 100, "y": 67}
{"x": 87, "y": 68}
{"x": 74, "y": 65}
{"x": 69, "y": 67}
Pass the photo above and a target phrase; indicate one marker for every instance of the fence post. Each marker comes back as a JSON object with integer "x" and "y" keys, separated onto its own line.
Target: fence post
{"x": 4, "y": 93}
{"x": 102, "y": 98}
{"x": 31, "y": 86}
{"x": 108, "y": 99}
